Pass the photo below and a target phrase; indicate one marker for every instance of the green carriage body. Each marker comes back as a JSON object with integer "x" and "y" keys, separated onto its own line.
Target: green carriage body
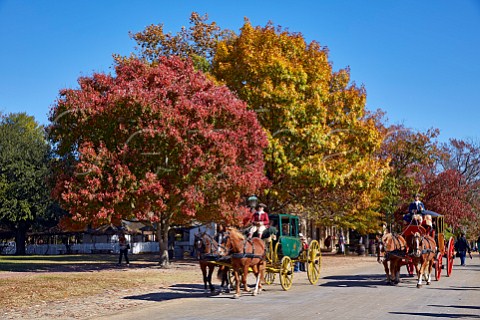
{"x": 287, "y": 226}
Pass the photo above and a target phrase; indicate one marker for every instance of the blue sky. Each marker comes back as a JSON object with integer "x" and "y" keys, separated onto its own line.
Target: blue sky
{"x": 418, "y": 60}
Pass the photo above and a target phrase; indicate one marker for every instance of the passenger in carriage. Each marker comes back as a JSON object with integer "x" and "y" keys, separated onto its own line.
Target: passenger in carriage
{"x": 260, "y": 221}
{"x": 428, "y": 225}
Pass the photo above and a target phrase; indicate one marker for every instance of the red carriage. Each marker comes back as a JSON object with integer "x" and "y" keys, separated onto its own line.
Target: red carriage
{"x": 445, "y": 247}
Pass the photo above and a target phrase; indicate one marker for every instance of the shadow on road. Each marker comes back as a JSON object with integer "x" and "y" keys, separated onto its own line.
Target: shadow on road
{"x": 459, "y": 307}
{"x": 439, "y": 315}
{"x": 452, "y": 288}
{"x": 178, "y": 291}
{"x": 363, "y": 280}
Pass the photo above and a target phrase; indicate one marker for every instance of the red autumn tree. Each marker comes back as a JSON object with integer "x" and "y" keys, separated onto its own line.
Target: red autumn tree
{"x": 159, "y": 143}
{"x": 448, "y": 193}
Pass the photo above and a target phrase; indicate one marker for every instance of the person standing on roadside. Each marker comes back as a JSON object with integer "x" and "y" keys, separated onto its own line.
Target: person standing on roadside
{"x": 124, "y": 246}
{"x": 478, "y": 245}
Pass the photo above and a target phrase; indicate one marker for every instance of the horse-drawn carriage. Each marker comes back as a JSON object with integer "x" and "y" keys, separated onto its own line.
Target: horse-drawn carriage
{"x": 421, "y": 247}
{"x": 278, "y": 254}
{"x": 445, "y": 247}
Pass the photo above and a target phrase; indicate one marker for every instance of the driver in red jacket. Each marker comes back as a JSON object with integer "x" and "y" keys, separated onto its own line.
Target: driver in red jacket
{"x": 260, "y": 221}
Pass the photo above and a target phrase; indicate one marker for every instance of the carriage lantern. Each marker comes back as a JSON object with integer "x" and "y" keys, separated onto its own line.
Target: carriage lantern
{"x": 252, "y": 201}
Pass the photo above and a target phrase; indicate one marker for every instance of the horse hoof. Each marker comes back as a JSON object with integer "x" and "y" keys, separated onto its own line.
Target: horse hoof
{"x": 236, "y": 296}
{"x": 254, "y": 293}
{"x": 428, "y": 283}
{"x": 419, "y": 286}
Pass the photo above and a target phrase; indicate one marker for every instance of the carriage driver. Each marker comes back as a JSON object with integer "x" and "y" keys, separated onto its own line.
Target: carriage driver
{"x": 416, "y": 207}
{"x": 260, "y": 221}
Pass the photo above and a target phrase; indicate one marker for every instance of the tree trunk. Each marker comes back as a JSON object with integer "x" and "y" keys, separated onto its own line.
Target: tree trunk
{"x": 162, "y": 236}
{"x": 20, "y": 236}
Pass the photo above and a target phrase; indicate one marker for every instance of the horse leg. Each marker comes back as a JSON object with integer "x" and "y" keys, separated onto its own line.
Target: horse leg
{"x": 429, "y": 277}
{"x": 244, "y": 280}
{"x": 393, "y": 268}
{"x": 397, "y": 271}
{"x": 225, "y": 281}
{"x": 387, "y": 270}
{"x": 420, "y": 274}
{"x": 259, "y": 270}
{"x": 237, "y": 287}
{"x": 209, "y": 277}
{"x": 204, "y": 273}
{"x": 263, "y": 267}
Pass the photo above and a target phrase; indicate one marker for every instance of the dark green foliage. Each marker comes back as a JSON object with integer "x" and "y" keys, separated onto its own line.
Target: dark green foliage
{"x": 24, "y": 168}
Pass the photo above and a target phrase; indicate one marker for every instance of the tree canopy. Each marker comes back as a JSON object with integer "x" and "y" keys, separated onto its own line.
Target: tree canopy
{"x": 320, "y": 136}
{"x": 160, "y": 143}
{"x": 24, "y": 170}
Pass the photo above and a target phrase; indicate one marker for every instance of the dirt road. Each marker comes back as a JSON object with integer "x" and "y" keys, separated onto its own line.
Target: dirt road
{"x": 186, "y": 274}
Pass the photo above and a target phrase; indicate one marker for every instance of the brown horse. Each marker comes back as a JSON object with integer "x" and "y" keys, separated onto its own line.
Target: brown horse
{"x": 391, "y": 249}
{"x": 424, "y": 249}
{"x": 246, "y": 254}
{"x": 208, "y": 252}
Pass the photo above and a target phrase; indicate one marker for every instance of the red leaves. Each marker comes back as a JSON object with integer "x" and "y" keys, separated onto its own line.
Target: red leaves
{"x": 155, "y": 140}
{"x": 447, "y": 193}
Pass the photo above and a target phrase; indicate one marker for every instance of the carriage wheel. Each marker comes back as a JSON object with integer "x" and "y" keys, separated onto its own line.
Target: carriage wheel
{"x": 286, "y": 273}
{"x": 314, "y": 262}
{"x": 438, "y": 266}
{"x": 450, "y": 256}
{"x": 269, "y": 277}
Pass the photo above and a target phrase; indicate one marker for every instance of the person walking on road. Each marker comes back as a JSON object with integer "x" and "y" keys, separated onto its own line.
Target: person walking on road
{"x": 462, "y": 247}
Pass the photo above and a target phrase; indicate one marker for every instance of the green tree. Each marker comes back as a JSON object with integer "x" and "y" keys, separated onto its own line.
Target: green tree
{"x": 24, "y": 170}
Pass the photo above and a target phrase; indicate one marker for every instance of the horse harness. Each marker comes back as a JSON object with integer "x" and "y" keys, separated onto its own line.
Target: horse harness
{"x": 245, "y": 254}
{"x": 425, "y": 250}
{"x": 401, "y": 252}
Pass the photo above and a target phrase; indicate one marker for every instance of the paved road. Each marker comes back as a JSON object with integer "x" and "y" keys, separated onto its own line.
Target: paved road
{"x": 352, "y": 293}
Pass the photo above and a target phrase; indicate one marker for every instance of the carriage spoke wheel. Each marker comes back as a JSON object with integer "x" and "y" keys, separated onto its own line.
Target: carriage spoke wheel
{"x": 269, "y": 277}
{"x": 286, "y": 273}
{"x": 450, "y": 256}
{"x": 438, "y": 266}
{"x": 314, "y": 262}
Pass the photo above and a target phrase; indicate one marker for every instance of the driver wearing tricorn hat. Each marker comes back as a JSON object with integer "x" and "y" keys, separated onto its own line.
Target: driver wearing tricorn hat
{"x": 260, "y": 221}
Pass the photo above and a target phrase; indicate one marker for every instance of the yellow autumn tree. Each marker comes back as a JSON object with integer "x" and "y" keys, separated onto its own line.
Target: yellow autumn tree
{"x": 322, "y": 142}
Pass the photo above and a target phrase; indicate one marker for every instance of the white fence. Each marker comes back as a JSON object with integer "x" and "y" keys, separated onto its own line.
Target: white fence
{"x": 53, "y": 249}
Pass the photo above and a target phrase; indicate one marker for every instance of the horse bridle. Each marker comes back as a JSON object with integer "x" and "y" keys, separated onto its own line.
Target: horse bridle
{"x": 418, "y": 251}
{"x": 201, "y": 243}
